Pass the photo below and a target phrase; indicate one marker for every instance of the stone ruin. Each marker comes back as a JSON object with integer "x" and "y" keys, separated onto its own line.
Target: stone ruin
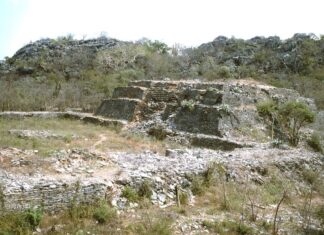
{"x": 189, "y": 112}
{"x": 192, "y": 112}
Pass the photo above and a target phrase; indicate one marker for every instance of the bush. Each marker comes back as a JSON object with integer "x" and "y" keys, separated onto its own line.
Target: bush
{"x": 320, "y": 213}
{"x": 183, "y": 198}
{"x": 104, "y": 213}
{"x": 289, "y": 118}
{"x": 145, "y": 189}
{"x": 20, "y": 222}
{"x": 315, "y": 143}
{"x": 197, "y": 185}
{"x": 153, "y": 226}
{"x": 34, "y": 217}
{"x": 228, "y": 227}
{"x": 188, "y": 104}
{"x": 293, "y": 116}
{"x": 130, "y": 194}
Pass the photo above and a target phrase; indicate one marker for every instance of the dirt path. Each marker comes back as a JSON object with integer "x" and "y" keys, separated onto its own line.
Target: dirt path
{"x": 102, "y": 138}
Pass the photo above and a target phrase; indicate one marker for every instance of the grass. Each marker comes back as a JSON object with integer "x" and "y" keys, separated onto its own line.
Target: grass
{"x": 86, "y": 135}
{"x": 152, "y": 225}
{"x": 228, "y": 227}
{"x": 20, "y": 222}
{"x": 105, "y": 213}
{"x": 130, "y": 194}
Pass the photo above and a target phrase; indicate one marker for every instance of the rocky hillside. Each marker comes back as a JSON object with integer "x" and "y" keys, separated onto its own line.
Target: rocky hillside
{"x": 193, "y": 157}
{"x": 79, "y": 73}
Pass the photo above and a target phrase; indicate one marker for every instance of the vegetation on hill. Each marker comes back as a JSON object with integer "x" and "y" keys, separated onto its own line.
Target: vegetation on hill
{"x": 64, "y": 73}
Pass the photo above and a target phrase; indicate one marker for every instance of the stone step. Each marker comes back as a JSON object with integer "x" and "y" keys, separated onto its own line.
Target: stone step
{"x": 131, "y": 92}
{"x": 208, "y": 97}
{"x": 217, "y": 143}
{"x": 120, "y": 108}
{"x": 86, "y": 117}
{"x": 161, "y": 95}
{"x": 98, "y": 120}
{"x": 141, "y": 83}
{"x": 198, "y": 119}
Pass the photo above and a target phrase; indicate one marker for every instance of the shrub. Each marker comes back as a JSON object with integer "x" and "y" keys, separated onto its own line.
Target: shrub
{"x": 189, "y": 104}
{"x": 130, "y": 194}
{"x": 145, "y": 189}
{"x": 320, "y": 213}
{"x": 224, "y": 72}
{"x": 183, "y": 198}
{"x": 158, "y": 132}
{"x": 153, "y": 226}
{"x": 289, "y": 117}
{"x": 20, "y": 222}
{"x": 34, "y": 217}
{"x": 197, "y": 185}
{"x": 293, "y": 116}
{"x": 104, "y": 213}
{"x": 315, "y": 143}
{"x": 227, "y": 227}
{"x": 268, "y": 110}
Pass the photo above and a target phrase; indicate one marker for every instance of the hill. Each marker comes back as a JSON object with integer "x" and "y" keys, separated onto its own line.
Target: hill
{"x": 68, "y": 73}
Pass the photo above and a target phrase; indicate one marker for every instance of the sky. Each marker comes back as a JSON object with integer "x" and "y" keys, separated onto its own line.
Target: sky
{"x": 185, "y": 22}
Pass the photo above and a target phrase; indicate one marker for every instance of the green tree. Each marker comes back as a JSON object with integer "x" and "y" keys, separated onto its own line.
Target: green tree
{"x": 289, "y": 118}
{"x": 293, "y": 116}
{"x": 269, "y": 111}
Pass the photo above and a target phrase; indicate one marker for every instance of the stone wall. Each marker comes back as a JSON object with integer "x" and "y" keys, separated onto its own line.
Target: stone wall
{"x": 52, "y": 195}
{"x": 216, "y": 109}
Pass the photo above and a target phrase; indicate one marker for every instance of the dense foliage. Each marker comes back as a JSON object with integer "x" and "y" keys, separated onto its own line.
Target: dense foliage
{"x": 67, "y": 73}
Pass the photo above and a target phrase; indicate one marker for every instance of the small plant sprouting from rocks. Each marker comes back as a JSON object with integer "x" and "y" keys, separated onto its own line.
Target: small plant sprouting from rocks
{"x": 212, "y": 89}
{"x": 189, "y": 104}
{"x": 182, "y": 196}
{"x": 276, "y": 143}
{"x": 145, "y": 189}
{"x": 197, "y": 185}
{"x": 130, "y": 194}
{"x": 224, "y": 108}
{"x": 236, "y": 89}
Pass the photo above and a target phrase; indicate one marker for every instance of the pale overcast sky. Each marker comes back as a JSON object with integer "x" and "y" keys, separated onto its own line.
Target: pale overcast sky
{"x": 188, "y": 22}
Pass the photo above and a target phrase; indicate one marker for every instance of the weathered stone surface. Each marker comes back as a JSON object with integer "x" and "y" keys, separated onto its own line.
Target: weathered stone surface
{"x": 129, "y": 92}
{"x": 217, "y": 109}
{"x": 51, "y": 194}
{"x": 161, "y": 95}
{"x": 35, "y": 133}
{"x": 198, "y": 119}
{"x": 118, "y": 108}
{"x": 214, "y": 143}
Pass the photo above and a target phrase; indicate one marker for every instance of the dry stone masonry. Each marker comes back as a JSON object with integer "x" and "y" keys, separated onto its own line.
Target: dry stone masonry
{"x": 208, "y": 115}
{"x": 203, "y": 114}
